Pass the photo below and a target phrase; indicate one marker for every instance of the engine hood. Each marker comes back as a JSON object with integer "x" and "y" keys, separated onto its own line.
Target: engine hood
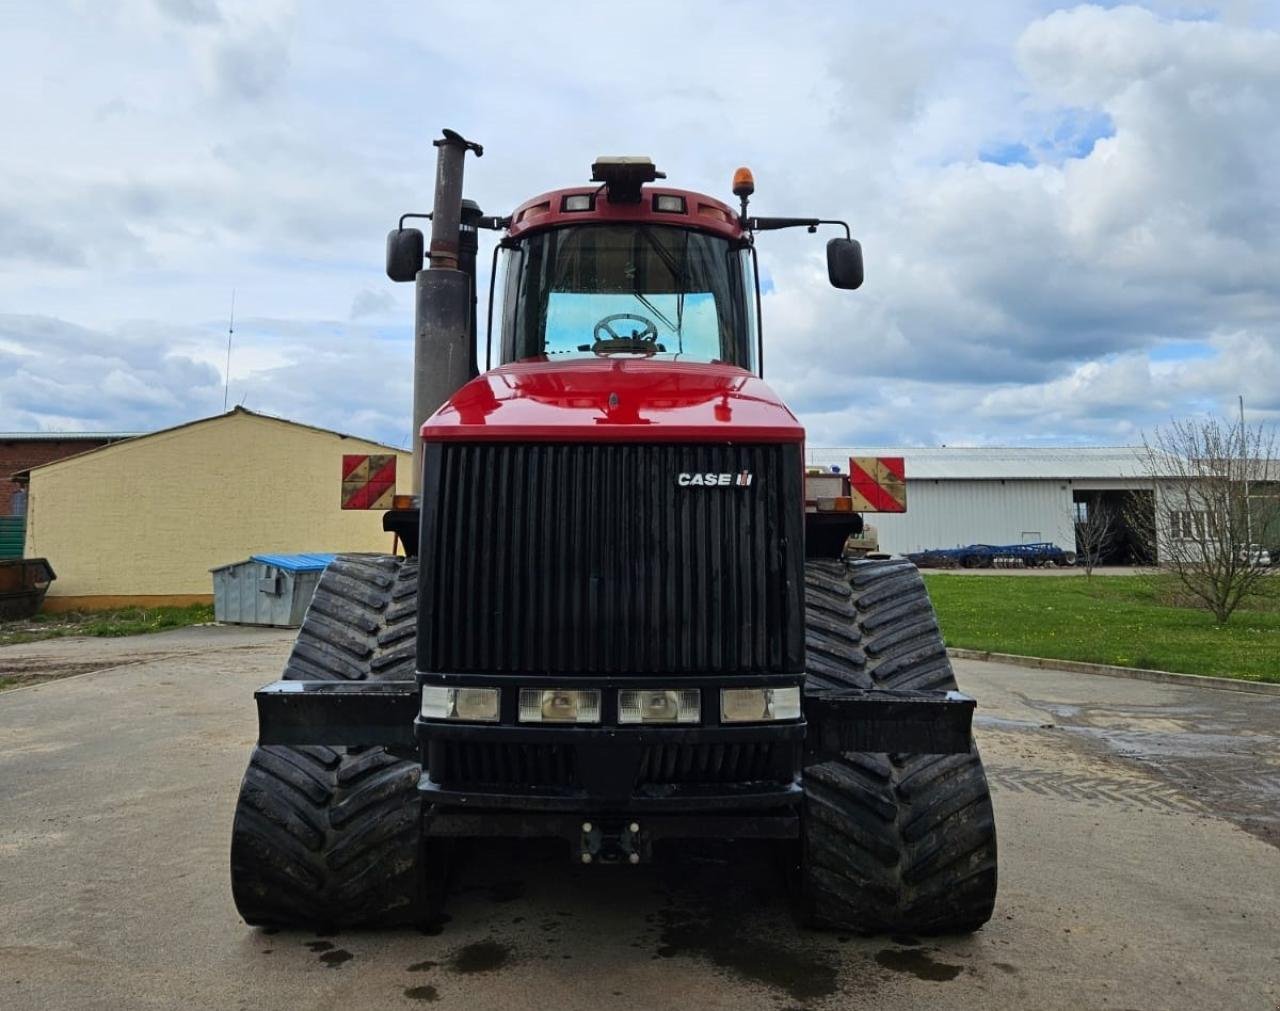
{"x": 614, "y": 400}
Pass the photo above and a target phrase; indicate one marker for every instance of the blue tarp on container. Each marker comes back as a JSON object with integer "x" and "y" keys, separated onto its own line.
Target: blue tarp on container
{"x": 306, "y": 562}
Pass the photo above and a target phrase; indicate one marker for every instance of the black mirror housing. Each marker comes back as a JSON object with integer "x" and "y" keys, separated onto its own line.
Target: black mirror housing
{"x": 844, "y": 263}
{"x": 405, "y": 248}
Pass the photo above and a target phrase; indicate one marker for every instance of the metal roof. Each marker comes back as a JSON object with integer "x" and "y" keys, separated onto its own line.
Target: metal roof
{"x": 66, "y": 436}
{"x": 311, "y": 561}
{"x": 979, "y": 463}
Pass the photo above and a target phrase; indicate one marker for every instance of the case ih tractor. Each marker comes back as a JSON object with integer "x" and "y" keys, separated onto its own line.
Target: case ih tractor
{"x": 616, "y": 622}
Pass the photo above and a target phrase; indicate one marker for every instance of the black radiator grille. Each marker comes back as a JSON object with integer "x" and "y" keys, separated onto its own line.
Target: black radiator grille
{"x": 478, "y": 763}
{"x": 668, "y": 764}
{"x": 555, "y": 558}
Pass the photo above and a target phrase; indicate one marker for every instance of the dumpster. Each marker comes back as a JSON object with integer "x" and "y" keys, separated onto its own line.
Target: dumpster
{"x": 267, "y": 589}
{"x": 23, "y": 582}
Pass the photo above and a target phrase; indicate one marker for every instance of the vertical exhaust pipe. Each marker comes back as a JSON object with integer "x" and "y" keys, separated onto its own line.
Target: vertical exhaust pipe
{"x": 444, "y": 334}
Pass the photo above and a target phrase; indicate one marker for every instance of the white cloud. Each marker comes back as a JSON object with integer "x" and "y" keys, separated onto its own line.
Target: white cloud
{"x": 1045, "y": 198}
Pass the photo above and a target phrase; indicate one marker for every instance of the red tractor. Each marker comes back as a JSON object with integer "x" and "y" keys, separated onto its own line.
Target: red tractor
{"x": 616, "y": 623}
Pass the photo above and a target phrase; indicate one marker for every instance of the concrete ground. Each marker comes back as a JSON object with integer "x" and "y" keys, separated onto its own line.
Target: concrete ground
{"x": 1051, "y": 570}
{"x": 1139, "y": 866}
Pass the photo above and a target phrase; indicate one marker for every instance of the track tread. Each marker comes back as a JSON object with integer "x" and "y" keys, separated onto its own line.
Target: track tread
{"x": 332, "y": 836}
{"x": 893, "y": 843}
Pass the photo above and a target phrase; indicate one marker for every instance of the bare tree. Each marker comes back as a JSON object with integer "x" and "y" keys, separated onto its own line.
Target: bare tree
{"x": 1096, "y": 527}
{"x": 1217, "y": 498}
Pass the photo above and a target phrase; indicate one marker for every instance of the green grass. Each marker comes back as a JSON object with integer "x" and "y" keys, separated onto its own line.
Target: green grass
{"x": 124, "y": 621}
{"x": 1129, "y": 621}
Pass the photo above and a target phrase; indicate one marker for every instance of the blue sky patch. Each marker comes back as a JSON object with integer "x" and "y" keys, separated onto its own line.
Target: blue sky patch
{"x": 1181, "y": 351}
{"x": 1007, "y": 154}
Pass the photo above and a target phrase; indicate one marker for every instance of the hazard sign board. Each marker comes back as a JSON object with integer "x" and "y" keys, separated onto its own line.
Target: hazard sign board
{"x": 878, "y": 484}
{"x": 368, "y": 480}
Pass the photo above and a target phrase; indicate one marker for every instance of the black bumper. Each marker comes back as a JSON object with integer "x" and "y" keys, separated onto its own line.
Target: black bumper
{"x": 513, "y": 766}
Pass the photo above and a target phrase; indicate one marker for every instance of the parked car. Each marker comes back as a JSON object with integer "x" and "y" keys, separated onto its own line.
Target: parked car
{"x": 1255, "y": 554}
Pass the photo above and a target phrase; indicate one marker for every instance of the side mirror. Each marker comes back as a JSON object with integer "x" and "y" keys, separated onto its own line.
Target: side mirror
{"x": 405, "y": 248}
{"x": 844, "y": 263}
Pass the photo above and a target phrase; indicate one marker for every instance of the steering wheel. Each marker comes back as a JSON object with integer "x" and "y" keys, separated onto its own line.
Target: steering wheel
{"x": 649, "y": 334}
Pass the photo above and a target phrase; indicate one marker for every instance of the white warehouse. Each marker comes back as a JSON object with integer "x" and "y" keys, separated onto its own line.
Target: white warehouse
{"x": 965, "y": 495}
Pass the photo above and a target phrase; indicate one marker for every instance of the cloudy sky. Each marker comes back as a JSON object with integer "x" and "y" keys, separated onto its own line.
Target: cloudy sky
{"x": 1071, "y": 217}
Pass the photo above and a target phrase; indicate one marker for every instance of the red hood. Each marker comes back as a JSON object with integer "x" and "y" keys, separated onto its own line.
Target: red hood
{"x": 618, "y": 400}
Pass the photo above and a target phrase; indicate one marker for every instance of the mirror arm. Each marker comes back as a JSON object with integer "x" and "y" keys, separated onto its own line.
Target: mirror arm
{"x": 772, "y": 224}
{"x": 493, "y": 223}
{"x": 405, "y": 217}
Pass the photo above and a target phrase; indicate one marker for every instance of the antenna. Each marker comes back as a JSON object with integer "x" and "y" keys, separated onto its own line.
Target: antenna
{"x": 231, "y": 329}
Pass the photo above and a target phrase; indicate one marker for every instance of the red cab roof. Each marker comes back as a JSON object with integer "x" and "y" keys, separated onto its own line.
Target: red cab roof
{"x": 699, "y": 211}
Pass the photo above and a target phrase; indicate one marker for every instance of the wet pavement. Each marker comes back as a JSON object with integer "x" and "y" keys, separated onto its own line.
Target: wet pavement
{"x": 1140, "y": 866}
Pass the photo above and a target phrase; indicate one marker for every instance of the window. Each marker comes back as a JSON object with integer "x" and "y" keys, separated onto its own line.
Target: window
{"x": 588, "y": 291}
{"x": 1187, "y": 524}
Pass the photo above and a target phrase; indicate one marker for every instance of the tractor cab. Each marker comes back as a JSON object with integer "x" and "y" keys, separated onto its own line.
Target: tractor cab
{"x": 628, "y": 288}
{"x": 628, "y": 269}
{"x": 624, "y": 269}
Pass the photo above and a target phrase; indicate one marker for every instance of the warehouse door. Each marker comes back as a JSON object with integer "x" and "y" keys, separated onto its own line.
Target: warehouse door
{"x": 1132, "y": 519}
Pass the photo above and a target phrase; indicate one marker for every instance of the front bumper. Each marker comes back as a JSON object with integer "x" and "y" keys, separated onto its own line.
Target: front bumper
{"x": 365, "y": 713}
{"x": 612, "y": 790}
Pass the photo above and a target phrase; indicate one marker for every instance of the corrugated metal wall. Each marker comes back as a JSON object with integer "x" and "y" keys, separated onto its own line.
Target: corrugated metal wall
{"x": 949, "y": 514}
{"x": 13, "y": 530}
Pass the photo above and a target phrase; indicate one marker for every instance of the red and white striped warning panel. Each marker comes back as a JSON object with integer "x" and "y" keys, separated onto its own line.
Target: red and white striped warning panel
{"x": 878, "y": 484}
{"x": 368, "y": 480}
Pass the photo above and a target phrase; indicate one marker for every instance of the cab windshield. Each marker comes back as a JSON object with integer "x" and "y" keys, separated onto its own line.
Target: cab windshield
{"x": 650, "y": 291}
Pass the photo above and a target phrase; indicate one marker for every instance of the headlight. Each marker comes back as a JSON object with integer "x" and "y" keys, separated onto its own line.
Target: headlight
{"x": 472, "y": 704}
{"x": 559, "y": 705}
{"x": 659, "y": 705}
{"x": 759, "y": 705}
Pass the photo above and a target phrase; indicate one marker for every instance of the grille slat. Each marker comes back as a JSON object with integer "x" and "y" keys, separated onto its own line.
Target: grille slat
{"x": 568, "y": 558}
{"x": 475, "y": 763}
{"x": 672, "y": 764}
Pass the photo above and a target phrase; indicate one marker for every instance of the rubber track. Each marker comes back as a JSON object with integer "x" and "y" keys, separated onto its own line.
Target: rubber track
{"x": 893, "y": 843}
{"x": 331, "y": 836}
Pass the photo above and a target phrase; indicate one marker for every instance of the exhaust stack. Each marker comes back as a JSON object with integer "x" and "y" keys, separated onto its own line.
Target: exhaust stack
{"x": 444, "y": 319}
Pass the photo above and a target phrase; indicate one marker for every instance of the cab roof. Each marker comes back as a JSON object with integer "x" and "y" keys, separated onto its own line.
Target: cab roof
{"x": 687, "y": 210}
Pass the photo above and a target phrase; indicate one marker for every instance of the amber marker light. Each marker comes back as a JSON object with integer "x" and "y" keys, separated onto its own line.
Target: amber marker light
{"x": 744, "y": 183}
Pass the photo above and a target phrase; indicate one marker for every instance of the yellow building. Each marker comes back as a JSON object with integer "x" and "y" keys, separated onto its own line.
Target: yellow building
{"x": 143, "y": 521}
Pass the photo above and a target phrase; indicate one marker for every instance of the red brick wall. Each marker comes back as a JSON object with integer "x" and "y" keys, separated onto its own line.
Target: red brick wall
{"x": 20, "y": 454}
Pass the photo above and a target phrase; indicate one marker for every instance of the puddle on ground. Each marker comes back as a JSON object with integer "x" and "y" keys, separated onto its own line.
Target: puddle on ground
{"x": 918, "y": 963}
{"x": 482, "y": 956}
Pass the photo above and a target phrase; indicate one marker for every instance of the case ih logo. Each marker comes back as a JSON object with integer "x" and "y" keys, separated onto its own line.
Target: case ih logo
{"x": 742, "y": 479}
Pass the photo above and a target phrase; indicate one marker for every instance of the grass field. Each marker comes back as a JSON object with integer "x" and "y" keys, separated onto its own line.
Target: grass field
{"x": 125, "y": 621}
{"x": 1130, "y": 621}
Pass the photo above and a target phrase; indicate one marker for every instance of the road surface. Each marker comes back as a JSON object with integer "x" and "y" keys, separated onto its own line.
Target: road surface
{"x": 1139, "y": 831}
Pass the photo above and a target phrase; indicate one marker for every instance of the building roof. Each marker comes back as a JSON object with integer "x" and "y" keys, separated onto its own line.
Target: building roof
{"x": 66, "y": 436}
{"x": 978, "y": 463}
{"x": 23, "y": 475}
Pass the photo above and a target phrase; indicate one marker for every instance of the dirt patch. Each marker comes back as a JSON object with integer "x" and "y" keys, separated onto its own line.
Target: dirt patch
{"x": 19, "y": 673}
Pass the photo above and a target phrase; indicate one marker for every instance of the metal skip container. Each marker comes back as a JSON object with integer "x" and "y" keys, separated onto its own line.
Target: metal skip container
{"x": 267, "y": 589}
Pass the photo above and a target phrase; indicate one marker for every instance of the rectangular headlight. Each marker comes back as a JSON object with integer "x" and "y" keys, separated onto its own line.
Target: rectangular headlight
{"x": 659, "y": 705}
{"x": 470, "y": 704}
{"x": 759, "y": 705}
{"x": 578, "y": 202}
{"x": 559, "y": 705}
